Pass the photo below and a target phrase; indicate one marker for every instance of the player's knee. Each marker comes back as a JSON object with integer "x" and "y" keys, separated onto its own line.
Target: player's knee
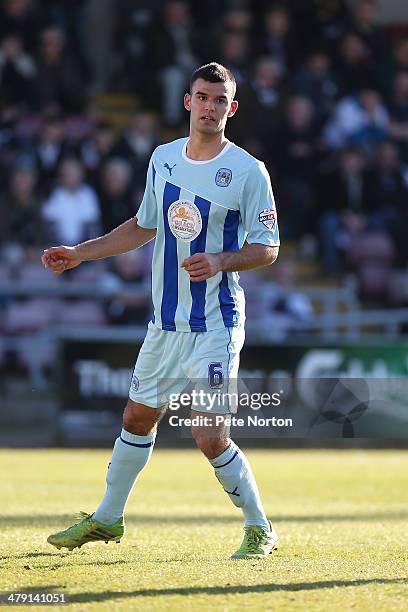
{"x": 211, "y": 446}
{"x": 134, "y": 425}
{"x": 139, "y": 420}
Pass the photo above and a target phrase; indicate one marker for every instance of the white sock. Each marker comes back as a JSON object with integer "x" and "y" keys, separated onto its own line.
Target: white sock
{"x": 235, "y": 475}
{"x": 130, "y": 455}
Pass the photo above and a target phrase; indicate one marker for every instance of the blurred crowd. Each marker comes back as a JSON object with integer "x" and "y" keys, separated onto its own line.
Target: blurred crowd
{"x": 323, "y": 93}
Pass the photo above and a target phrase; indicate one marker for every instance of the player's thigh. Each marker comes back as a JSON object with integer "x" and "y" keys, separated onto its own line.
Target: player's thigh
{"x": 157, "y": 373}
{"x": 213, "y": 367}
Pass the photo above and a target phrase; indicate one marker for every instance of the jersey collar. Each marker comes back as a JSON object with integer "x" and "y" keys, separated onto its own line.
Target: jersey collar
{"x": 203, "y": 161}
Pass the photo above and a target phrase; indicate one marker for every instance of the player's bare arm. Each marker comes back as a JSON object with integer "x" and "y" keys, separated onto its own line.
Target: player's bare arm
{"x": 122, "y": 239}
{"x": 202, "y": 266}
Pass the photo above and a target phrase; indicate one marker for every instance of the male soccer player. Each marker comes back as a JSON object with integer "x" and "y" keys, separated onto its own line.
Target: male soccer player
{"x": 210, "y": 206}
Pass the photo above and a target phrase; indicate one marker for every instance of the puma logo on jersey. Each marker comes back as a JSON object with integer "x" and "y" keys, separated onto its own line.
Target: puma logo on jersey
{"x": 170, "y": 169}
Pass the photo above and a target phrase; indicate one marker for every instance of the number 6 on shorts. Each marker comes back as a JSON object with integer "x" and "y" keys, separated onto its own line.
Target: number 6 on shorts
{"x": 215, "y": 375}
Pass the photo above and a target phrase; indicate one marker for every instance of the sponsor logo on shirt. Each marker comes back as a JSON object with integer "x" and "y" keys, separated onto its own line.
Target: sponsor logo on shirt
{"x": 184, "y": 220}
{"x": 169, "y": 168}
{"x": 268, "y": 218}
{"x": 223, "y": 177}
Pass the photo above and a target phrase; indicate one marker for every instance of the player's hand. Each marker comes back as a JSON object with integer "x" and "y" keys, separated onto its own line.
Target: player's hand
{"x": 202, "y": 266}
{"x": 60, "y": 258}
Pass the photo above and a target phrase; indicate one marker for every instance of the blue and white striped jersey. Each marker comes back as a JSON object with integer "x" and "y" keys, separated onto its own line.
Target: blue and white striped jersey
{"x": 203, "y": 207}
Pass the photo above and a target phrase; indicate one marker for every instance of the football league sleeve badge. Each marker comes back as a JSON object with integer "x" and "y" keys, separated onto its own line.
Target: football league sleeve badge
{"x": 268, "y": 217}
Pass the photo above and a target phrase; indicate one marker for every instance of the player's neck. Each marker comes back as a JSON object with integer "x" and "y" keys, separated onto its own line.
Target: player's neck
{"x": 201, "y": 147}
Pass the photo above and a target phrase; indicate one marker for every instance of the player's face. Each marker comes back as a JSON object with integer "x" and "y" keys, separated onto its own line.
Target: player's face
{"x": 210, "y": 105}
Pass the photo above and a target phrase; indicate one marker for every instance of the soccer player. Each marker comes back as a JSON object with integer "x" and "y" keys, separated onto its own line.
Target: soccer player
{"x": 209, "y": 205}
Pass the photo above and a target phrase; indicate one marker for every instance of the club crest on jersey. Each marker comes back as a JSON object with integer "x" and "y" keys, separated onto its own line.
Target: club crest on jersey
{"x": 223, "y": 177}
{"x": 184, "y": 219}
{"x": 268, "y": 218}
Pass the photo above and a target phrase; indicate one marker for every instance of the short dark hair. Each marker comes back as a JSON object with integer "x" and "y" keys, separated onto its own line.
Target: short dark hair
{"x": 214, "y": 73}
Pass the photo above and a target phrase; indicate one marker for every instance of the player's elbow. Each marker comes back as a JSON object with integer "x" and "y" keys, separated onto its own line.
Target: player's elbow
{"x": 271, "y": 255}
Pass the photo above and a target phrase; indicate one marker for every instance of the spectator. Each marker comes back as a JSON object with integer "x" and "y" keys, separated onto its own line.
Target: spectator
{"x": 172, "y": 55}
{"x": 372, "y": 132}
{"x": 352, "y": 202}
{"x": 391, "y": 64}
{"x": 289, "y": 304}
{"x": 365, "y": 25}
{"x": 316, "y": 81}
{"x": 277, "y": 303}
{"x": 361, "y": 119}
{"x": 398, "y": 106}
{"x": 388, "y": 194}
{"x": 129, "y": 272}
{"x": 260, "y": 105}
{"x": 319, "y": 22}
{"x": 49, "y": 150}
{"x": 236, "y": 20}
{"x": 276, "y": 40}
{"x": 59, "y": 82}
{"x": 71, "y": 18}
{"x": 354, "y": 65}
{"x": 116, "y": 198}
{"x": 21, "y": 18}
{"x": 131, "y": 44}
{"x": 206, "y": 14}
{"x": 234, "y": 55}
{"x": 20, "y": 210}
{"x": 342, "y": 201}
{"x": 17, "y": 73}
{"x": 294, "y": 148}
{"x": 95, "y": 150}
{"x": 136, "y": 146}
{"x": 71, "y": 213}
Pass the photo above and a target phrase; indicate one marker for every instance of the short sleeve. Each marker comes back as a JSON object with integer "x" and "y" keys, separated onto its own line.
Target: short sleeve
{"x": 257, "y": 207}
{"x": 147, "y": 213}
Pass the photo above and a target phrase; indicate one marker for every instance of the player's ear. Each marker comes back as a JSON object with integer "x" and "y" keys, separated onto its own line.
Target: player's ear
{"x": 233, "y": 109}
{"x": 187, "y": 101}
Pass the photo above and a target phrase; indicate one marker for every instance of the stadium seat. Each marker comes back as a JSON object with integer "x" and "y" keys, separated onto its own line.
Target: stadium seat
{"x": 89, "y": 273}
{"x": 31, "y": 315}
{"x": 31, "y": 358}
{"x": 398, "y": 288}
{"x": 78, "y": 127}
{"x": 371, "y": 246}
{"x": 373, "y": 256}
{"x": 33, "y": 272}
{"x": 84, "y": 312}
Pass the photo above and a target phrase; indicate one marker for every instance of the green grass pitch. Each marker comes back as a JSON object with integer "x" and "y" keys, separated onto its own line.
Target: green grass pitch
{"x": 342, "y": 518}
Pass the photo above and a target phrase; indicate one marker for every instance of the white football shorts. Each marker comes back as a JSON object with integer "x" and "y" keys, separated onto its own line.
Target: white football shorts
{"x": 169, "y": 360}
